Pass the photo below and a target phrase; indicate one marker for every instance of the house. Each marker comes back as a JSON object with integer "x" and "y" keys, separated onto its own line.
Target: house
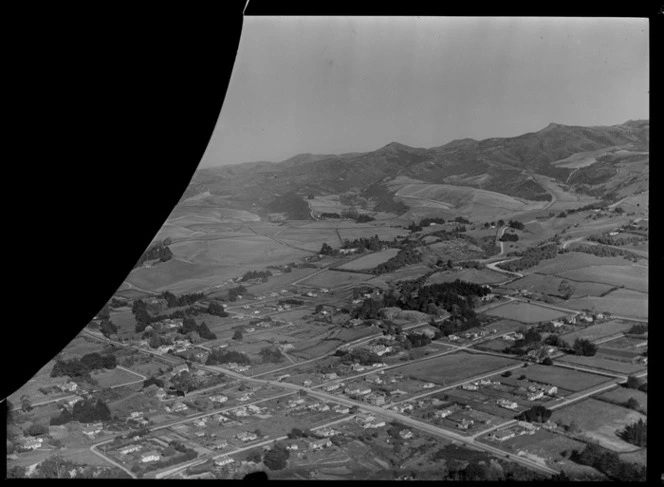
{"x": 179, "y": 406}
{"x": 130, "y": 449}
{"x": 465, "y": 423}
{"x": 469, "y": 387}
{"x": 327, "y": 432}
{"x": 150, "y": 456}
{"x": 292, "y": 447}
{"x": 357, "y": 367}
{"x": 320, "y": 444}
{"x": 333, "y": 387}
{"x": 31, "y": 443}
{"x": 246, "y": 436}
{"x": 243, "y": 398}
{"x": 219, "y": 444}
{"x": 161, "y": 393}
{"x": 406, "y": 434}
{"x": 136, "y": 414}
{"x": 68, "y": 387}
{"x": 507, "y": 404}
{"x": 307, "y": 383}
{"x": 502, "y": 435}
{"x": 443, "y": 413}
{"x": 550, "y": 390}
{"x": 200, "y": 422}
{"x": 365, "y": 417}
{"x": 218, "y": 398}
{"x": 342, "y": 410}
{"x": 92, "y": 430}
{"x": 453, "y": 338}
{"x": 74, "y": 400}
{"x": 373, "y": 424}
{"x": 375, "y": 399}
{"x": 429, "y": 385}
{"x": 331, "y": 376}
{"x": 534, "y": 396}
{"x": 220, "y": 418}
{"x": 401, "y": 408}
{"x": 223, "y": 461}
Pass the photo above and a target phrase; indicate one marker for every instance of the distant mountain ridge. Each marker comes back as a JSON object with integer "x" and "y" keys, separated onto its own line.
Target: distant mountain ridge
{"x": 505, "y": 165}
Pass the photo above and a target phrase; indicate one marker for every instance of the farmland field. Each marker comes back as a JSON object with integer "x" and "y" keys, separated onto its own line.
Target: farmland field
{"x": 593, "y": 332}
{"x": 408, "y": 272}
{"x": 603, "y": 363}
{"x": 631, "y": 277}
{"x": 571, "y": 380}
{"x": 636, "y": 307}
{"x": 483, "y": 276}
{"x": 548, "y": 284}
{"x": 600, "y": 421}
{"x": 334, "y": 279}
{"x": 370, "y": 261}
{"x": 452, "y": 368}
{"x": 622, "y": 395}
{"x": 124, "y": 319}
{"x": 525, "y": 312}
{"x": 574, "y": 261}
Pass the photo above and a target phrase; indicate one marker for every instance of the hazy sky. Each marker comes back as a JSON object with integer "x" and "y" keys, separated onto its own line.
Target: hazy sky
{"x": 330, "y": 85}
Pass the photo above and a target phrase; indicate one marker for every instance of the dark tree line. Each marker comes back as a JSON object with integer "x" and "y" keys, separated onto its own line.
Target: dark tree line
{"x": 605, "y": 251}
{"x": 372, "y": 244}
{"x": 227, "y": 356}
{"x": 234, "y": 292}
{"x": 405, "y": 257}
{"x": 216, "y": 309}
{"x": 108, "y": 328}
{"x": 255, "y": 275}
{"x": 294, "y": 302}
{"x": 517, "y": 225}
{"x": 173, "y": 301}
{"x": 509, "y": 237}
{"x": 531, "y": 257}
{"x": 536, "y": 414}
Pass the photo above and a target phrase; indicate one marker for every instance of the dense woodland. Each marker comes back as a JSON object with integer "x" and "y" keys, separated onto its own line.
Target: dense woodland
{"x": 84, "y": 411}
{"x": 81, "y": 367}
{"x": 217, "y": 357}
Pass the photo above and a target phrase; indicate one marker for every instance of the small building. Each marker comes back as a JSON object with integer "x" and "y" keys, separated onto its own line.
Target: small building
{"x": 320, "y": 444}
{"x": 333, "y": 387}
{"x": 502, "y": 435}
{"x": 218, "y": 398}
{"x": 375, "y": 399}
{"x": 443, "y": 413}
{"x": 470, "y": 387}
{"x": 31, "y": 443}
{"x": 465, "y": 423}
{"x": 179, "y": 406}
{"x": 219, "y": 444}
{"x": 150, "y": 456}
{"x": 429, "y": 385}
{"x": 130, "y": 449}
{"x": 246, "y": 436}
{"x": 406, "y": 434}
{"x": 327, "y": 432}
{"x": 507, "y": 404}
{"x": 220, "y": 462}
{"x": 365, "y": 417}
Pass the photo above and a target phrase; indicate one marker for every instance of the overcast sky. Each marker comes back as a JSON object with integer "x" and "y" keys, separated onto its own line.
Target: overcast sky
{"x": 333, "y": 85}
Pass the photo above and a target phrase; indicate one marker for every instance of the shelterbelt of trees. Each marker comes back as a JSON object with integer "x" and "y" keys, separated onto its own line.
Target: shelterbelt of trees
{"x": 158, "y": 250}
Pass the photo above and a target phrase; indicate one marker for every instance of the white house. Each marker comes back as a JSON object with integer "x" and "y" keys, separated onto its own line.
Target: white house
{"x": 219, "y": 398}
{"x": 130, "y": 449}
{"x": 320, "y": 444}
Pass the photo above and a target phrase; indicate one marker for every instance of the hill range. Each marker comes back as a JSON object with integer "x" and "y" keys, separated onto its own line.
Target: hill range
{"x": 557, "y": 163}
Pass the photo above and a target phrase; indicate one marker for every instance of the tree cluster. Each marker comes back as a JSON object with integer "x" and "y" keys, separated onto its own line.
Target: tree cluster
{"x": 81, "y": 367}
{"x": 271, "y": 355}
{"x": 536, "y": 414}
{"x": 86, "y": 411}
{"x": 294, "y": 302}
{"x": 606, "y": 251}
{"x": 158, "y": 250}
{"x": 216, "y": 309}
{"x": 517, "y": 225}
{"x": 509, "y": 237}
{"x": 373, "y": 244}
{"x": 234, "y": 292}
{"x": 610, "y": 464}
{"x": 108, "y": 328}
{"x": 360, "y": 355}
{"x": 584, "y": 347}
{"x": 638, "y": 329}
{"x": 276, "y": 458}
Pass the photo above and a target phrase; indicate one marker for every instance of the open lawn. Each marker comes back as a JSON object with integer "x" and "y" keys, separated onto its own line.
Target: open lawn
{"x": 600, "y": 330}
{"x": 114, "y": 377}
{"x": 483, "y": 276}
{"x": 452, "y": 368}
{"x": 334, "y": 279}
{"x": 600, "y": 421}
{"x": 124, "y": 319}
{"x": 571, "y": 380}
{"x": 370, "y": 261}
{"x": 525, "y": 312}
